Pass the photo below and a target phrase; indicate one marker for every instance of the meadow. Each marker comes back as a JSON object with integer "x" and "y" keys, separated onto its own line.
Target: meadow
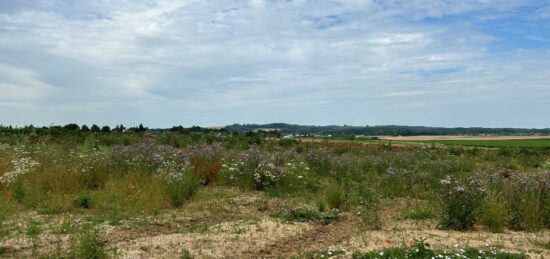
{"x": 214, "y": 195}
{"x": 505, "y": 143}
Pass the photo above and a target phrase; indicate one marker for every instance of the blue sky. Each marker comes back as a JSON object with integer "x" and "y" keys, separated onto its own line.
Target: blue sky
{"x": 356, "y": 62}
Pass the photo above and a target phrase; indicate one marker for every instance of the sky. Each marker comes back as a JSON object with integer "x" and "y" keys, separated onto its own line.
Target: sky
{"x": 316, "y": 62}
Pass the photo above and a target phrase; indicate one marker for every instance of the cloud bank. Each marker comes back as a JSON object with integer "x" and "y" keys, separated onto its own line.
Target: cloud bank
{"x": 358, "y": 62}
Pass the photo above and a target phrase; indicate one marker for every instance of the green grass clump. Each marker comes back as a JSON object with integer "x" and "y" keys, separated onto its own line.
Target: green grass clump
{"x": 306, "y": 213}
{"x": 185, "y": 254}
{"x": 460, "y": 201}
{"x": 84, "y": 201}
{"x": 183, "y": 189}
{"x": 420, "y": 214}
{"x": 335, "y": 197}
{"x": 494, "y": 213}
{"x": 88, "y": 244}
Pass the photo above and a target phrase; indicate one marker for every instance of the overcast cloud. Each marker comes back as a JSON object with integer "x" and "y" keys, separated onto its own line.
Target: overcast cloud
{"x": 357, "y": 62}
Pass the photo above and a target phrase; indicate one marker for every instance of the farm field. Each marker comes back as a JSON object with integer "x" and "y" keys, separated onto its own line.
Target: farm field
{"x": 491, "y": 141}
{"x": 469, "y": 141}
{"x": 532, "y": 143}
{"x": 206, "y": 195}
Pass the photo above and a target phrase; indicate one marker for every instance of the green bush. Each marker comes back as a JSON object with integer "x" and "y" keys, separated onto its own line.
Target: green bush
{"x": 494, "y": 212}
{"x": 460, "y": 201}
{"x": 88, "y": 244}
{"x": 182, "y": 189}
{"x": 84, "y": 201}
{"x": 335, "y": 197}
{"x": 185, "y": 254}
{"x": 526, "y": 197}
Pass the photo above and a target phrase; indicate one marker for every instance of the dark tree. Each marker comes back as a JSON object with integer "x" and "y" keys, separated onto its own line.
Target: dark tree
{"x": 71, "y": 127}
{"x": 84, "y": 128}
{"x": 106, "y": 129}
{"x": 95, "y": 128}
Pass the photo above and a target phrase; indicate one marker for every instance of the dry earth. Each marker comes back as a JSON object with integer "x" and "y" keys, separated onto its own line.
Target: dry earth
{"x": 245, "y": 228}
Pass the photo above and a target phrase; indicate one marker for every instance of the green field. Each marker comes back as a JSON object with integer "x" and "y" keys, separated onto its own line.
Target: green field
{"x": 533, "y": 143}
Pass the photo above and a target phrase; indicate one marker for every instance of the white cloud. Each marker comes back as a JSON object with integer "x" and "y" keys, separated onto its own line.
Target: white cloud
{"x": 21, "y": 85}
{"x": 196, "y": 60}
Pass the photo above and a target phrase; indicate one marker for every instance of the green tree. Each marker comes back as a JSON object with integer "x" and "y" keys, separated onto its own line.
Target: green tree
{"x": 106, "y": 129}
{"x": 95, "y": 128}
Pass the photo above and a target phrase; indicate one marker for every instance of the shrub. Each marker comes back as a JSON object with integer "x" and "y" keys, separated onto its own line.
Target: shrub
{"x": 19, "y": 191}
{"x": 319, "y": 160}
{"x": 335, "y": 197}
{"x": 526, "y": 195}
{"x": 370, "y": 215}
{"x": 185, "y": 254}
{"x": 88, "y": 244}
{"x": 182, "y": 189}
{"x": 460, "y": 200}
{"x": 494, "y": 212}
{"x": 256, "y": 169}
{"x": 84, "y": 201}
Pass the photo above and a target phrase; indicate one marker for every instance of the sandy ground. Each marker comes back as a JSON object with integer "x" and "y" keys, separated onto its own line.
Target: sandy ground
{"x": 462, "y": 137}
{"x": 246, "y": 231}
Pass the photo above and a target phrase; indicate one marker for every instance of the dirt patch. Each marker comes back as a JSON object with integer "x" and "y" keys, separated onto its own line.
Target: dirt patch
{"x": 225, "y": 240}
{"x": 319, "y": 237}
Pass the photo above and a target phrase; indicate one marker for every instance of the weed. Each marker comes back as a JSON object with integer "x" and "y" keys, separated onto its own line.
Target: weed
{"x": 306, "y": 213}
{"x": 88, "y": 244}
{"x": 84, "y": 201}
{"x": 19, "y": 191}
{"x": 182, "y": 189}
{"x": 494, "y": 212}
{"x": 185, "y": 254}
{"x": 419, "y": 214}
{"x": 460, "y": 201}
{"x": 33, "y": 232}
{"x": 335, "y": 197}
{"x": 329, "y": 252}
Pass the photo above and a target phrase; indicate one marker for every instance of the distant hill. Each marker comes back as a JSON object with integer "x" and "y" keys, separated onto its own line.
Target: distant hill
{"x": 387, "y": 130}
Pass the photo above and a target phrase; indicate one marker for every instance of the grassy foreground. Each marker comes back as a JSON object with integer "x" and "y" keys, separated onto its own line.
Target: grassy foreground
{"x": 116, "y": 195}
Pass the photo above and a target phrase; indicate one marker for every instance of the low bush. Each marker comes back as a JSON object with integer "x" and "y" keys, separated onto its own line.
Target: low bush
{"x": 494, "y": 212}
{"x": 84, "y": 201}
{"x": 460, "y": 200}
{"x": 335, "y": 197}
{"x": 88, "y": 244}
{"x": 527, "y": 195}
{"x": 182, "y": 189}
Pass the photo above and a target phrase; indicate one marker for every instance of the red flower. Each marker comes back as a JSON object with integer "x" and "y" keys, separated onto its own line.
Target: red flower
{"x": 410, "y": 243}
{"x": 9, "y": 194}
{"x": 388, "y": 242}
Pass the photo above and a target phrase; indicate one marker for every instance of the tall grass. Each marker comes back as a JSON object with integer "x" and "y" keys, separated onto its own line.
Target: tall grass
{"x": 123, "y": 174}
